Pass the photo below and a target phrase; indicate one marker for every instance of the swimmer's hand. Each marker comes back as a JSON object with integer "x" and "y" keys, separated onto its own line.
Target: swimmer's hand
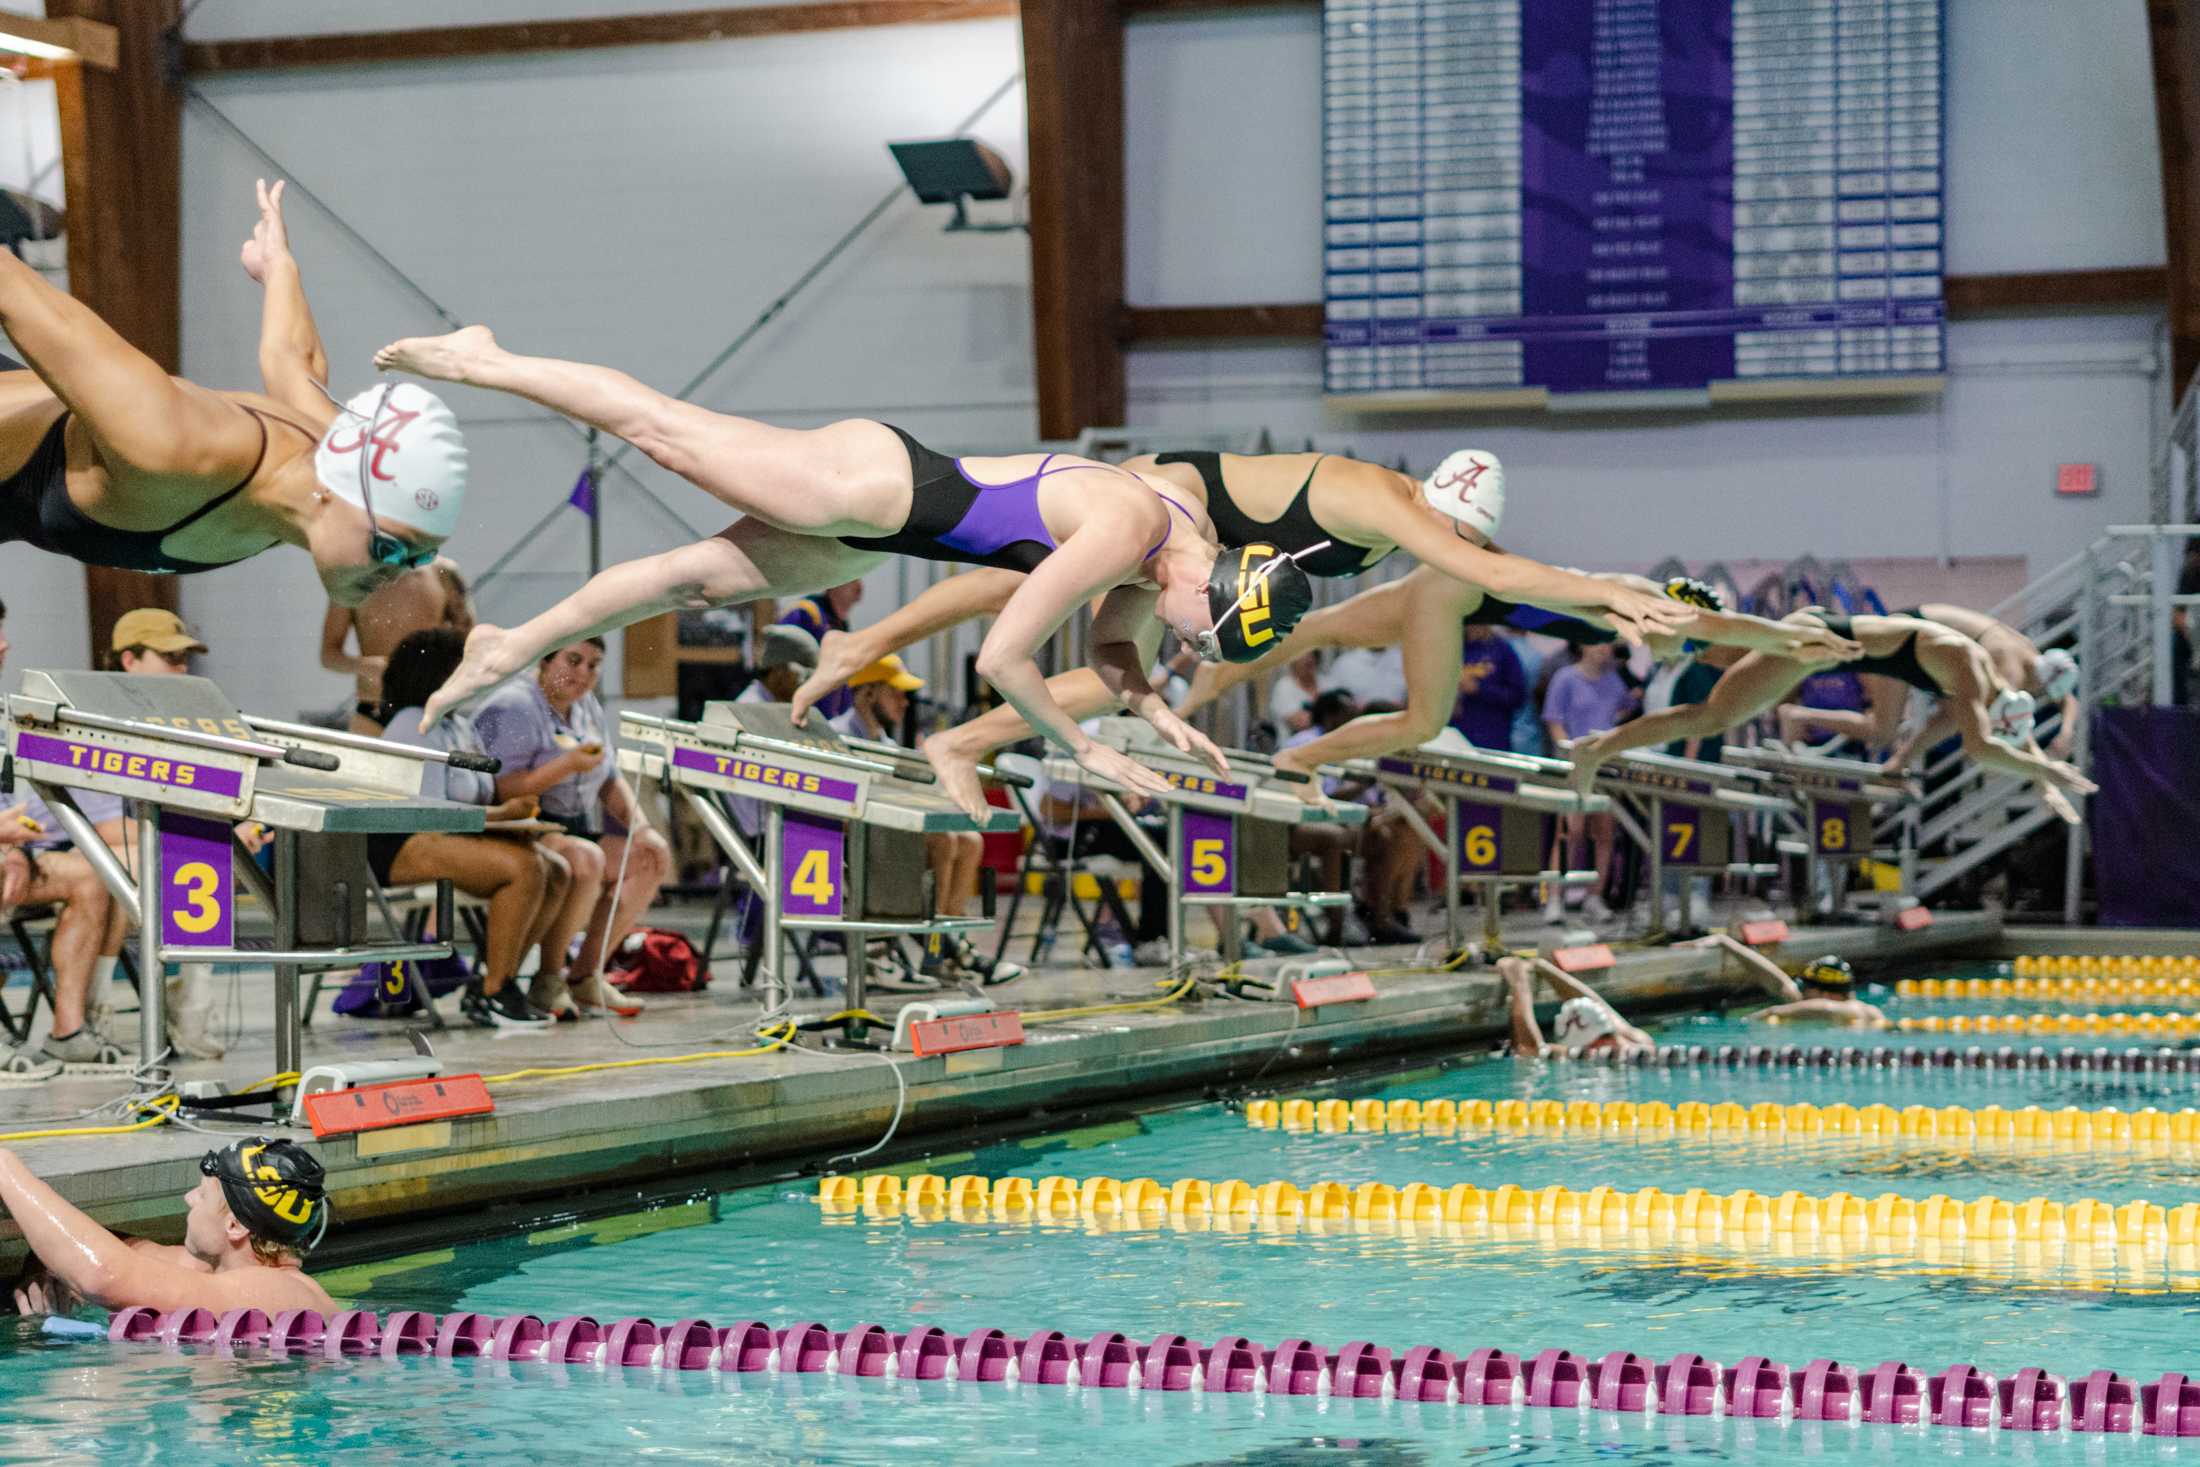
{"x": 1185, "y": 739}
{"x": 1119, "y": 769}
{"x": 1813, "y": 642}
{"x": 2060, "y": 782}
{"x": 270, "y": 242}
{"x": 1640, "y": 615}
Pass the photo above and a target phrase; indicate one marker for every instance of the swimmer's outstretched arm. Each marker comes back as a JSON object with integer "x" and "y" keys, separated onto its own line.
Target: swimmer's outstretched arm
{"x": 1635, "y": 614}
{"x": 293, "y": 363}
{"x": 1527, "y": 1035}
{"x": 1762, "y": 971}
{"x": 1970, "y": 684}
{"x": 943, "y": 604}
{"x": 1125, "y": 635}
{"x": 1566, "y": 986}
{"x": 85, "y": 1256}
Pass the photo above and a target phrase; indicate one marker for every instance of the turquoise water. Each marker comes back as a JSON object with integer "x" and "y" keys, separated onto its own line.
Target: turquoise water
{"x": 769, "y": 1253}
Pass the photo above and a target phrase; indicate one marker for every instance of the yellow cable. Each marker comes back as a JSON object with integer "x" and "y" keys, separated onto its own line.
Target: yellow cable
{"x": 1056, "y": 1016}
{"x": 164, "y": 1109}
{"x": 781, "y": 1037}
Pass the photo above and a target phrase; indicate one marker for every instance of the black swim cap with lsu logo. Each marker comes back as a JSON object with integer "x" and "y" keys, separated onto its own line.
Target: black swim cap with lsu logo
{"x": 276, "y": 1189}
{"x": 1255, "y": 596}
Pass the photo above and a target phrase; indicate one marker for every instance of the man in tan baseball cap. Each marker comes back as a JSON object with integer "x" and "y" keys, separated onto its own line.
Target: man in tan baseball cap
{"x": 150, "y": 640}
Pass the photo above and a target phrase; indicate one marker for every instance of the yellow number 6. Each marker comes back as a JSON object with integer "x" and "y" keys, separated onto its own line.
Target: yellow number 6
{"x": 1208, "y": 867}
{"x": 1481, "y": 845}
{"x": 814, "y": 877}
{"x": 199, "y": 882}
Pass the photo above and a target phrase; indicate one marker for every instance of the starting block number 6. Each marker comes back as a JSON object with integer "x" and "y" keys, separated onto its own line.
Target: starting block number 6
{"x": 198, "y": 906}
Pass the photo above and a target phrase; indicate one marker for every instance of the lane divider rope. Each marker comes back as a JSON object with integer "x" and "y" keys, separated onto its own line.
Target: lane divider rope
{"x": 2066, "y": 988}
{"x": 1891, "y": 1392}
{"x": 2109, "y": 965}
{"x": 2067, "y": 1128}
{"x": 1890, "y": 1218}
{"x": 2161, "y": 1061}
{"x": 2152, "y": 1025}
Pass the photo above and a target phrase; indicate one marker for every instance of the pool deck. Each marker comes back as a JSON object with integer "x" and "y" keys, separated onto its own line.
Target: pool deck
{"x": 637, "y": 1130}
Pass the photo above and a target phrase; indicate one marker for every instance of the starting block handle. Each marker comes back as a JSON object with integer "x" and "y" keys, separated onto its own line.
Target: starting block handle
{"x": 1291, "y": 776}
{"x": 478, "y": 763}
{"x": 312, "y": 759}
{"x": 344, "y": 738}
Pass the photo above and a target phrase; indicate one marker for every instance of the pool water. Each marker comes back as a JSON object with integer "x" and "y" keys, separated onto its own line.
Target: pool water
{"x": 772, "y": 1253}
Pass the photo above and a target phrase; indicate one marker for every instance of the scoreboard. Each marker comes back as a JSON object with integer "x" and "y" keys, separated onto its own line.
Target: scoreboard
{"x": 1629, "y": 202}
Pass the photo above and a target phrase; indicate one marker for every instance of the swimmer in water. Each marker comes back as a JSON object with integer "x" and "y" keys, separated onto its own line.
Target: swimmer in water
{"x": 259, "y": 1208}
{"x": 826, "y": 505}
{"x": 1824, "y": 992}
{"x": 108, "y": 460}
{"x": 1995, "y": 720}
{"x": 1586, "y": 1027}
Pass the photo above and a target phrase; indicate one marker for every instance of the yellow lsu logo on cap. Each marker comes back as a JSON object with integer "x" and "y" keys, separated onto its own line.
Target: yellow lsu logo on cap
{"x": 287, "y": 1203}
{"x": 1253, "y": 595}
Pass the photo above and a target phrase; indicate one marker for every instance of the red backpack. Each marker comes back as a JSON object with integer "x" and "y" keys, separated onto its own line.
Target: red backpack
{"x": 652, "y": 960}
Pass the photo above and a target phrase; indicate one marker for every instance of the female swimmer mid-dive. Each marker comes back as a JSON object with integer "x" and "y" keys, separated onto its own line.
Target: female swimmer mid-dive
{"x": 826, "y": 505}
{"x": 111, "y": 461}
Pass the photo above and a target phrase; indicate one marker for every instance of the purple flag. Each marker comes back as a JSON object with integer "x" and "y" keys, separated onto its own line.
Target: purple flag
{"x": 583, "y": 497}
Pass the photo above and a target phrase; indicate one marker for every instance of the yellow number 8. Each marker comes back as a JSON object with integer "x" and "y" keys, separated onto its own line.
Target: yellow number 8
{"x": 200, "y": 882}
{"x": 1481, "y": 846}
{"x": 1833, "y": 834}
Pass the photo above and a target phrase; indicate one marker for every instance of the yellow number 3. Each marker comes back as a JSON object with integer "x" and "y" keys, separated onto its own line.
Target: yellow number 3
{"x": 1208, "y": 867}
{"x": 199, "y": 882}
{"x": 814, "y": 877}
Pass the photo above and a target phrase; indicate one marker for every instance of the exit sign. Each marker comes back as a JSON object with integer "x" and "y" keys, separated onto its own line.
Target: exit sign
{"x": 2077, "y": 479}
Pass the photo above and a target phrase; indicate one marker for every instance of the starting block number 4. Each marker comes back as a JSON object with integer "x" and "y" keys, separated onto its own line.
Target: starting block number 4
{"x": 197, "y": 882}
{"x": 812, "y": 855}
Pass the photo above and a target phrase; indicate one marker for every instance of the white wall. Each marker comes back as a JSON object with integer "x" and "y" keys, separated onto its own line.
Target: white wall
{"x": 2052, "y": 165}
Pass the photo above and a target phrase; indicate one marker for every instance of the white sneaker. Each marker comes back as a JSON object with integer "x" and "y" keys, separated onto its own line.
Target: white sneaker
{"x": 1554, "y": 911}
{"x": 1153, "y": 953}
{"x": 1595, "y": 910}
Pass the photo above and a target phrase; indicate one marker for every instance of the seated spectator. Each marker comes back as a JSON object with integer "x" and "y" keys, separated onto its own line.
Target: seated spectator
{"x": 34, "y": 871}
{"x": 1077, "y": 826}
{"x": 1492, "y": 686}
{"x": 879, "y": 712}
{"x": 1587, "y": 696}
{"x": 432, "y": 595}
{"x": 1586, "y": 1027}
{"x": 259, "y": 1207}
{"x": 1527, "y": 722}
{"x": 525, "y": 884}
{"x": 1369, "y": 674}
{"x": 1291, "y": 695}
{"x": 552, "y": 734}
{"x": 1388, "y": 848}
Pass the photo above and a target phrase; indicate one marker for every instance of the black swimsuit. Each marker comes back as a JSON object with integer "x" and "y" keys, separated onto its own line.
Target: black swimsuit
{"x": 1901, "y": 664}
{"x": 1293, "y": 531}
{"x": 1569, "y": 629}
{"x": 35, "y": 508}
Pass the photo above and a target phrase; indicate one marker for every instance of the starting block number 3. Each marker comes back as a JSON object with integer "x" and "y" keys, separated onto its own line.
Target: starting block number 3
{"x": 198, "y": 898}
{"x": 812, "y": 853}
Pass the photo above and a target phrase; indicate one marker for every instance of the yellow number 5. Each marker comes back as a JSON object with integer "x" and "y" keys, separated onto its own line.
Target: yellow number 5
{"x": 1481, "y": 846}
{"x": 1208, "y": 867}
{"x": 814, "y": 877}
{"x": 1833, "y": 835}
{"x": 199, "y": 882}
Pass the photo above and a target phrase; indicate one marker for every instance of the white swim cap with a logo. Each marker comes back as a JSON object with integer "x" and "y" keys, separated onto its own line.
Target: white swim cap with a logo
{"x": 1469, "y": 486}
{"x": 2010, "y": 715}
{"x": 2057, "y": 672}
{"x": 1582, "y": 1022}
{"x": 415, "y": 457}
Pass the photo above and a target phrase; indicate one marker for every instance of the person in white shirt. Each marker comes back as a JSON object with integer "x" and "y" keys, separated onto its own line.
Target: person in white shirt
{"x": 1292, "y": 693}
{"x": 878, "y": 713}
{"x": 1370, "y": 675}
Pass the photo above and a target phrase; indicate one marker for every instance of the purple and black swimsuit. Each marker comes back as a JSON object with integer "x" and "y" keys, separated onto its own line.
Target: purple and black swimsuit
{"x": 955, "y": 518}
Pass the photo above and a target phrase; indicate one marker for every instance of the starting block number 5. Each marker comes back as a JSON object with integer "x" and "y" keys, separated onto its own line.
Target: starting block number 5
{"x": 1207, "y": 865}
{"x": 198, "y": 899}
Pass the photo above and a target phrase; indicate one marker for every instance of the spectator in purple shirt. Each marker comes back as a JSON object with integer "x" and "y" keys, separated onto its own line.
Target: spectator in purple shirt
{"x": 1492, "y": 686}
{"x": 1587, "y": 696}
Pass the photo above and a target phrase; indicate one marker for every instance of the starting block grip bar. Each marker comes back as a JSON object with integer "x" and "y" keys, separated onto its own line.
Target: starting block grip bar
{"x": 1291, "y": 776}
{"x": 478, "y": 763}
{"x": 312, "y": 759}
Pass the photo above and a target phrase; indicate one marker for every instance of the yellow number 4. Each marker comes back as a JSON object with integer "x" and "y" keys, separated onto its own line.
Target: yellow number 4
{"x": 1833, "y": 835}
{"x": 1481, "y": 846}
{"x": 1208, "y": 866}
{"x": 199, "y": 882}
{"x": 814, "y": 877}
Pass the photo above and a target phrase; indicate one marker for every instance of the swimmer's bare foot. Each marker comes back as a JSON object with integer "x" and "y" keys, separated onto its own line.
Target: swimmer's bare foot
{"x": 957, "y": 768}
{"x": 440, "y": 358}
{"x": 1311, "y": 791}
{"x": 839, "y": 657}
{"x": 488, "y": 661}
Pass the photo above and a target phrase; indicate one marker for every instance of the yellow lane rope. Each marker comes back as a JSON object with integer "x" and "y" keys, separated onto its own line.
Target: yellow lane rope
{"x": 2114, "y": 965}
{"x": 2120, "y": 987}
{"x": 2068, "y": 1128}
{"x": 2148, "y": 1024}
{"x": 1890, "y": 1222}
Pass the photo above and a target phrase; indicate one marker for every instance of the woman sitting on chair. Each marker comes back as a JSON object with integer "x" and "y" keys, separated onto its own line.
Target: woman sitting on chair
{"x": 525, "y": 885}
